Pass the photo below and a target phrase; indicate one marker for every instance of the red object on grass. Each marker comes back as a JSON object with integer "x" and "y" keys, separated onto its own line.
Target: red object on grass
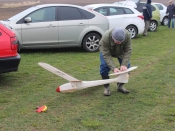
{"x": 40, "y": 109}
{"x": 58, "y": 89}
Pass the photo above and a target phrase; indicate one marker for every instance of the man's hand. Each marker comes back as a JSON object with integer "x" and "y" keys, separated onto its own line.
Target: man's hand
{"x": 116, "y": 70}
{"x": 123, "y": 68}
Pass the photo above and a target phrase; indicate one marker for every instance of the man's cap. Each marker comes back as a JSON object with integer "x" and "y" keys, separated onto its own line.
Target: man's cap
{"x": 118, "y": 34}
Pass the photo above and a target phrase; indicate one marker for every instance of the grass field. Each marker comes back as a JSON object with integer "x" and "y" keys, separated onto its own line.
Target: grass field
{"x": 150, "y": 105}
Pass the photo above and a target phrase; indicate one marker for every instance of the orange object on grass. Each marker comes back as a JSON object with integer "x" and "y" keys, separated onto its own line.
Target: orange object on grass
{"x": 41, "y": 109}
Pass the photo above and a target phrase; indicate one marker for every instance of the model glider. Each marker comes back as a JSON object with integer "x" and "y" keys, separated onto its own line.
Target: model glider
{"x": 75, "y": 84}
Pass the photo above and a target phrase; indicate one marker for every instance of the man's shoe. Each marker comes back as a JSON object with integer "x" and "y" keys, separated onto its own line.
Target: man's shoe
{"x": 120, "y": 88}
{"x": 107, "y": 91}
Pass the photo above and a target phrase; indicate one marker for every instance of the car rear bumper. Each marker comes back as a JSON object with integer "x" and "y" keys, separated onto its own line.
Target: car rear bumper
{"x": 9, "y": 64}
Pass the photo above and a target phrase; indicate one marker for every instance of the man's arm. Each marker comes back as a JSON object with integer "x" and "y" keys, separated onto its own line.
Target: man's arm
{"x": 104, "y": 49}
{"x": 149, "y": 11}
{"x": 127, "y": 50}
{"x": 167, "y": 11}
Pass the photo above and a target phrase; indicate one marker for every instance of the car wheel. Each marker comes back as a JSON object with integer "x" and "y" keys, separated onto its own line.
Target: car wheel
{"x": 165, "y": 21}
{"x": 91, "y": 42}
{"x": 18, "y": 46}
{"x": 132, "y": 30}
{"x": 153, "y": 26}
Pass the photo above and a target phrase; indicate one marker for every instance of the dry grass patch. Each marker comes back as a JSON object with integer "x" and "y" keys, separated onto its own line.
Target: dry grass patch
{"x": 20, "y": 4}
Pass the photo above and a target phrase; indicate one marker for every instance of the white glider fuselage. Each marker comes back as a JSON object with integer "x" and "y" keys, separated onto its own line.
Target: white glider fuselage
{"x": 77, "y": 85}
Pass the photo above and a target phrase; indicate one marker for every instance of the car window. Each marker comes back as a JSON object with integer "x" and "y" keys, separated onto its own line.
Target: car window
{"x": 43, "y": 15}
{"x": 159, "y": 6}
{"x": 153, "y": 8}
{"x": 102, "y": 10}
{"x": 128, "y": 11}
{"x": 87, "y": 14}
{"x": 140, "y": 7}
{"x": 135, "y": 1}
{"x": 69, "y": 13}
{"x": 116, "y": 11}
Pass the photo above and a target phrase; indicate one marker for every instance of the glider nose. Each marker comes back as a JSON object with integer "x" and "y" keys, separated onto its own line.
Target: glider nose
{"x": 58, "y": 89}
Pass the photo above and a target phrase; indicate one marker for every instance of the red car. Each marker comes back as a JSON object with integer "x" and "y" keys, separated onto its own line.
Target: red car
{"x": 9, "y": 57}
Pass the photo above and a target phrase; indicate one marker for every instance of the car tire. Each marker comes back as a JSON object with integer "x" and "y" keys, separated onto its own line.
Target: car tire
{"x": 19, "y": 47}
{"x": 153, "y": 26}
{"x": 132, "y": 30}
{"x": 91, "y": 42}
{"x": 165, "y": 21}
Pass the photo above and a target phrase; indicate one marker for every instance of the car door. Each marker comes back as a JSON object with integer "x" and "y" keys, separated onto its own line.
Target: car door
{"x": 117, "y": 17}
{"x": 114, "y": 15}
{"x": 71, "y": 25}
{"x": 162, "y": 10}
{"x": 42, "y": 30}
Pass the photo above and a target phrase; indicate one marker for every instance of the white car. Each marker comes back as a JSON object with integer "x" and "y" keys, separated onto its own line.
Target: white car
{"x": 138, "y": 5}
{"x": 163, "y": 16}
{"x": 121, "y": 16}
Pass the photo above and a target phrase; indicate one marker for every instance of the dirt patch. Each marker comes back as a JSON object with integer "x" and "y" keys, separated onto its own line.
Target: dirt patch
{"x": 19, "y": 4}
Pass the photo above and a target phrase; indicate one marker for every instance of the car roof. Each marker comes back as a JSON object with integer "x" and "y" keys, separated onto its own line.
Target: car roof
{"x": 158, "y": 3}
{"x": 15, "y": 17}
{"x": 106, "y": 4}
{"x": 155, "y": 3}
{"x": 126, "y": 3}
{"x": 45, "y": 5}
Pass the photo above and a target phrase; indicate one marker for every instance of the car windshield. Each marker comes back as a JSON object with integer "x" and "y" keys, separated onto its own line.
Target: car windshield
{"x": 25, "y": 12}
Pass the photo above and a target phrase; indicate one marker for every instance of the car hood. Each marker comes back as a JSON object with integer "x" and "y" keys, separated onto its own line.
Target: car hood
{"x": 5, "y": 22}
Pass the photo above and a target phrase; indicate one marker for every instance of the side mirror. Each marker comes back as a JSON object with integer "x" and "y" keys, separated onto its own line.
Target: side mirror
{"x": 27, "y": 19}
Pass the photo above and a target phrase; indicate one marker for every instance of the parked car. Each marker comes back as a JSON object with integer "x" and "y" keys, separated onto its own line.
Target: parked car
{"x": 121, "y": 16}
{"x": 163, "y": 17}
{"x": 155, "y": 21}
{"x": 9, "y": 57}
{"x": 58, "y": 25}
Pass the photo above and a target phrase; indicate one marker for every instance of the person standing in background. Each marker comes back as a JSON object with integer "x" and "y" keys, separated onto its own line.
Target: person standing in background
{"x": 147, "y": 13}
{"x": 171, "y": 14}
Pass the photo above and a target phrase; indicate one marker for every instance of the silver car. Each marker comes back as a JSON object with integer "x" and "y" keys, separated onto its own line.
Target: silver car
{"x": 57, "y": 26}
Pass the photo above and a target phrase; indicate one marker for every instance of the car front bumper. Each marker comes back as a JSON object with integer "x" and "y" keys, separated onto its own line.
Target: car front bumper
{"x": 9, "y": 64}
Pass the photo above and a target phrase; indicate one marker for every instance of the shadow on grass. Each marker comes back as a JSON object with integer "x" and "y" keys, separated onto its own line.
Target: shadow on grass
{"x": 87, "y": 92}
{"x": 6, "y": 80}
{"x": 55, "y": 50}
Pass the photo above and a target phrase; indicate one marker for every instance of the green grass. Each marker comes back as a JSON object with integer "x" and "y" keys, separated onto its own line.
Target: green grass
{"x": 150, "y": 106}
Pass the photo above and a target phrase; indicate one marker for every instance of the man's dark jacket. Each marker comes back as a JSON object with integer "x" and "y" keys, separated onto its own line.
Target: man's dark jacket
{"x": 147, "y": 11}
{"x": 171, "y": 11}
